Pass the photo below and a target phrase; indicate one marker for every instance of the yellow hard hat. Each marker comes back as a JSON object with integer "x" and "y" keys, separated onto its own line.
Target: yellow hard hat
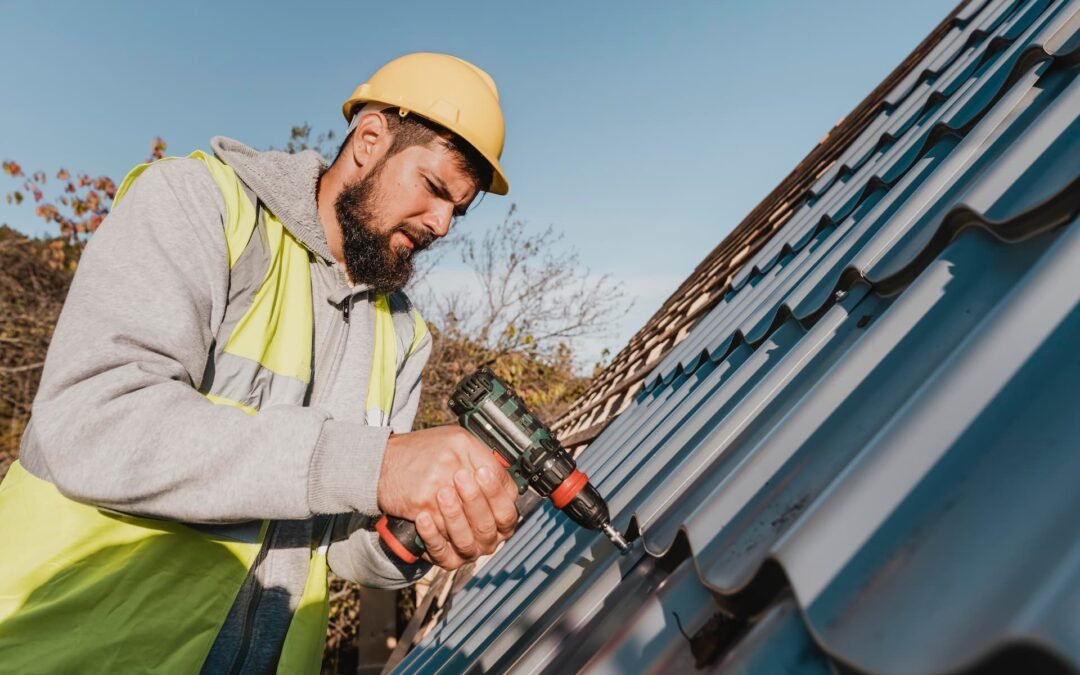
{"x": 450, "y": 92}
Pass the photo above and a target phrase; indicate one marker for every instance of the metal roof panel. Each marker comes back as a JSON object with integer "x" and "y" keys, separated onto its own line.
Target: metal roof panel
{"x": 864, "y": 456}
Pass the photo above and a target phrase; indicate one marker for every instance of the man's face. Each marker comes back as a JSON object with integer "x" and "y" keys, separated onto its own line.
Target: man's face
{"x": 399, "y": 208}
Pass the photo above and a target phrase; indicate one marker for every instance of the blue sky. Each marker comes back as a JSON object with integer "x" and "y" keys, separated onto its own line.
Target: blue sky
{"x": 644, "y": 131}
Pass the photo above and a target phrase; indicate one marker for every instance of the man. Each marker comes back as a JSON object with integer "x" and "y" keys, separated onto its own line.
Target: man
{"x": 227, "y": 401}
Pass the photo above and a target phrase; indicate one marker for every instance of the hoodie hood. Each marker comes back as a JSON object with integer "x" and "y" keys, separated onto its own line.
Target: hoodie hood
{"x": 286, "y": 183}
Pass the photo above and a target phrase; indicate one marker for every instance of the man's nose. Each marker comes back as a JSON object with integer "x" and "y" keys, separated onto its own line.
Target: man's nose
{"x": 439, "y": 218}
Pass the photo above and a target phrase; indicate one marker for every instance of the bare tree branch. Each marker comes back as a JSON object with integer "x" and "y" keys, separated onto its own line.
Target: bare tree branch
{"x": 529, "y": 306}
{"x": 21, "y": 369}
{"x": 534, "y": 294}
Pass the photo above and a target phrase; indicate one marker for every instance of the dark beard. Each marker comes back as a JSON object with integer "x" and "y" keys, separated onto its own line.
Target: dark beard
{"x": 370, "y": 258}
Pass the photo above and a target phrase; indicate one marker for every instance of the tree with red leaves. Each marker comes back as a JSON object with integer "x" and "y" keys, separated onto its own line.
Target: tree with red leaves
{"x": 79, "y": 204}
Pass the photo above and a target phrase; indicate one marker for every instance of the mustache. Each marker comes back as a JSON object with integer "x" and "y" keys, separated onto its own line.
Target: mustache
{"x": 420, "y": 236}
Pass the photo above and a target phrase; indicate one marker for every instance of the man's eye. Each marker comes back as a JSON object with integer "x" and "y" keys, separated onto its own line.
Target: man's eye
{"x": 459, "y": 211}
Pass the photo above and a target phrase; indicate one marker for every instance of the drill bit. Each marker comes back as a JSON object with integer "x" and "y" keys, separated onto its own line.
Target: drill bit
{"x": 616, "y": 538}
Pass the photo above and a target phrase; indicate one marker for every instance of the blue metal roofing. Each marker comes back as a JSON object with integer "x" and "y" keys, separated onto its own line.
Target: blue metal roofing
{"x": 865, "y": 458}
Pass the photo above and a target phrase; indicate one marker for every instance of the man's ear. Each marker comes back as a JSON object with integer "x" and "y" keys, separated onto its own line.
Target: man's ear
{"x": 370, "y": 139}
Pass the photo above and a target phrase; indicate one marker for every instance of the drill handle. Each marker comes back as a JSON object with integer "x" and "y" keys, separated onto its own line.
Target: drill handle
{"x": 398, "y": 537}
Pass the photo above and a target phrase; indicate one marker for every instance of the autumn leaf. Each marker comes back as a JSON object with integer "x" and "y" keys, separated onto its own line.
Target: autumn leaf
{"x": 48, "y": 212}
{"x": 157, "y": 151}
{"x": 63, "y": 174}
{"x": 106, "y": 185}
{"x": 12, "y": 169}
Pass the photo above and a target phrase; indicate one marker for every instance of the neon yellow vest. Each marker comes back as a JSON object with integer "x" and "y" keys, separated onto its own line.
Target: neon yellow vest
{"x": 85, "y": 590}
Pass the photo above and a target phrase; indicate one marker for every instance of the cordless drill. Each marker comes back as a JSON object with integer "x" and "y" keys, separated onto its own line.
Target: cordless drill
{"x": 491, "y": 411}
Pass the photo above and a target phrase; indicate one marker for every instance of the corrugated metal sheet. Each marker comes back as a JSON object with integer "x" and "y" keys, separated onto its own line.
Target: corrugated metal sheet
{"x": 866, "y": 457}
{"x": 617, "y": 385}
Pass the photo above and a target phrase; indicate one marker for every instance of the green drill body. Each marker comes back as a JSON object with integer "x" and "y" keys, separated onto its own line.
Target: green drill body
{"x": 490, "y": 410}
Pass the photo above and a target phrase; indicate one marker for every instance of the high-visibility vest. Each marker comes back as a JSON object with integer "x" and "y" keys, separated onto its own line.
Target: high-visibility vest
{"x": 87, "y": 590}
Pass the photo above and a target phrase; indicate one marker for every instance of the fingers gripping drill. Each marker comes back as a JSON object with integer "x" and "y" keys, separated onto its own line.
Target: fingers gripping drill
{"x": 491, "y": 411}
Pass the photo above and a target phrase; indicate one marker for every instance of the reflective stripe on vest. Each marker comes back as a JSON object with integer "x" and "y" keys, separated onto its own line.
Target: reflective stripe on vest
{"x": 135, "y": 594}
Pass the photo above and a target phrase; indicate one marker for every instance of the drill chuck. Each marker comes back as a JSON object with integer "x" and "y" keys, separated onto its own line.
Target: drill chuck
{"x": 589, "y": 510}
{"x": 586, "y": 508}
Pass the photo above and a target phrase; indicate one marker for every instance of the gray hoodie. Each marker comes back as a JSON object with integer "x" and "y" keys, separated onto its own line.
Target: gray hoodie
{"x": 118, "y": 421}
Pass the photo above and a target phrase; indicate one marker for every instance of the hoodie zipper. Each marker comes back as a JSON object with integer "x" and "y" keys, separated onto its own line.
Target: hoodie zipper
{"x": 256, "y": 595}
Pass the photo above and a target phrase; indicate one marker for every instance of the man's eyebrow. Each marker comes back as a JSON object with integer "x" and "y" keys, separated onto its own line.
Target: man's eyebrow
{"x": 439, "y": 187}
{"x": 442, "y": 191}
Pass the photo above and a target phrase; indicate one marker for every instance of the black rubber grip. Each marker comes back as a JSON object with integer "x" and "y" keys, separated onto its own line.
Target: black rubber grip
{"x": 399, "y": 538}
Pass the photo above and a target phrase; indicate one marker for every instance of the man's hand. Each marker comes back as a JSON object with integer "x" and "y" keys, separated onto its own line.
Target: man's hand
{"x": 454, "y": 489}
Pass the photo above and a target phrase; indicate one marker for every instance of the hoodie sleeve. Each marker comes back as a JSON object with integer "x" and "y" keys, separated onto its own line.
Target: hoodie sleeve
{"x": 118, "y": 421}
{"x": 355, "y": 553}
